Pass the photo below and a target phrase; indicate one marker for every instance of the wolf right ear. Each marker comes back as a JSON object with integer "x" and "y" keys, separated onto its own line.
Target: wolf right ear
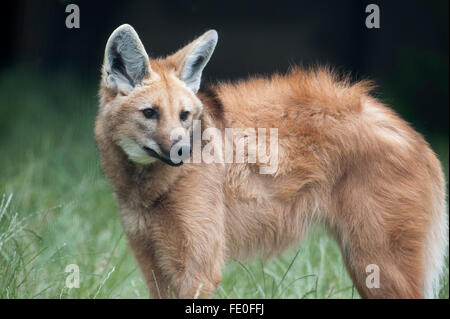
{"x": 192, "y": 59}
{"x": 126, "y": 63}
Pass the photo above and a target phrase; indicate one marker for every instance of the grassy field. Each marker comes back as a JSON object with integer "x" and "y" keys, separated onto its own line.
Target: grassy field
{"x": 56, "y": 209}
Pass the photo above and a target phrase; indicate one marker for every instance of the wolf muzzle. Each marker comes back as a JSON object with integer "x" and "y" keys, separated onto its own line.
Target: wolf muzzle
{"x": 183, "y": 149}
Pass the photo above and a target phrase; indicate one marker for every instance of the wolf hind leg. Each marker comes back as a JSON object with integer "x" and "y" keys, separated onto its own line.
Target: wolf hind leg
{"x": 382, "y": 239}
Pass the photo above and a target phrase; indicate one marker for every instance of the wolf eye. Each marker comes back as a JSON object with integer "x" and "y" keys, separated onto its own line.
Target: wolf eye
{"x": 184, "y": 115}
{"x": 149, "y": 113}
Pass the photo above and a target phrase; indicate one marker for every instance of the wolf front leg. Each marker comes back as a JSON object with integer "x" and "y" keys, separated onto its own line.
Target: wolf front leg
{"x": 189, "y": 234}
{"x": 188, "y": 252}
{"x": 157, "y": 283}
{"x": 201, "y": 276}
{"x": 182, "y": 254}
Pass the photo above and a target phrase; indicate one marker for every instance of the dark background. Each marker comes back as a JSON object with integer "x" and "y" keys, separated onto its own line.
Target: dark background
{"x": 408, "y": 57}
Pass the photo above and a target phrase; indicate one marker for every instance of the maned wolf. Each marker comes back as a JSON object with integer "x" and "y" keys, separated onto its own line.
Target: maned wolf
{"x": 342, "y": 159}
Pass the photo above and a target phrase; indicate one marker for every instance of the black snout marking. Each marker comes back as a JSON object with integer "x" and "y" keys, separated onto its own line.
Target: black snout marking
{"x": 152, "y": 153}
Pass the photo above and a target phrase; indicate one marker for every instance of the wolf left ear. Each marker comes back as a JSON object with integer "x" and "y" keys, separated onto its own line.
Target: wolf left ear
{"x": 126, "y": 63}
{"x": 192, "y": 59}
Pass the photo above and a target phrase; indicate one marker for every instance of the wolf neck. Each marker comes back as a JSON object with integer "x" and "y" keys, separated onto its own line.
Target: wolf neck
{"x": 134, "y": 183}
{"x": 213, "y": 111}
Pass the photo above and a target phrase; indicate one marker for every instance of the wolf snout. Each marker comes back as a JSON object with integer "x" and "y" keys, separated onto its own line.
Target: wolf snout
{"x": 178, "y": 153}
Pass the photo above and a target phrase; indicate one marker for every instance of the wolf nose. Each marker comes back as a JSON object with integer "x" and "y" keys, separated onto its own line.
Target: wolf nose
{"x": 180, "y": 151}
{"x": 165, "y": 152}
{"x": 184, "y": 150}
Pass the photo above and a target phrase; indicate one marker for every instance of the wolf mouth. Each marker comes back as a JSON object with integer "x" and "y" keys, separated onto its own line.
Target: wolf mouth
{"x": 152, "y": 153}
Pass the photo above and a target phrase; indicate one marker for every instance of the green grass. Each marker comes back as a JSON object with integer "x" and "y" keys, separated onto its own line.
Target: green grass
{"x": 57, "y": 209}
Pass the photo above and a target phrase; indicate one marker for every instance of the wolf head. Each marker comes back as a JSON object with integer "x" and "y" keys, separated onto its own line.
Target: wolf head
{"x": 149, "y": 106}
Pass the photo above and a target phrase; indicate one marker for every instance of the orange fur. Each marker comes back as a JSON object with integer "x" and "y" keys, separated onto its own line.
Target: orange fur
{"x": 345, "y": 160}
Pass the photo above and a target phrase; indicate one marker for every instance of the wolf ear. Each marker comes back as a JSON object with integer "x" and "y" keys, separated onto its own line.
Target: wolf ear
{"x": 192, "y": 59}
{"x": 126, "y": 63}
